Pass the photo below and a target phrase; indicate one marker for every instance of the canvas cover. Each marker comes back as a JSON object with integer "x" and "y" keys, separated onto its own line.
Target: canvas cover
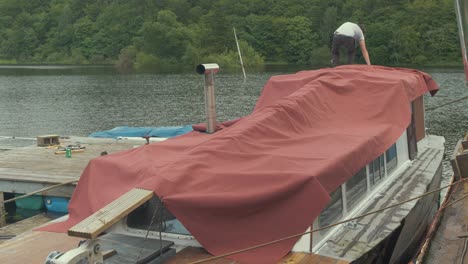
{"x": 125, "y": 131}
{"x": 269, "y": 174}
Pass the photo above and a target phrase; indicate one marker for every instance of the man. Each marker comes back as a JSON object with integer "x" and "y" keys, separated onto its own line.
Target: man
{"x": 346, "y": 36}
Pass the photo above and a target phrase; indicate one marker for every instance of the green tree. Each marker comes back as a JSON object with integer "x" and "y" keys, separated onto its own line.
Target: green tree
{"x": 185, "y": 32}
{"x": 300, "y": 41}
{"x": 328, "y": 25}
{"x": 165, "y": 38}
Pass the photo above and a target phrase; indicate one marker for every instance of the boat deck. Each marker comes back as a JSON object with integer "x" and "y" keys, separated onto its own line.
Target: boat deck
{"x": 192, "y": 254}
{"x": 30, "y": 168}
{"x": 34, "y": 246}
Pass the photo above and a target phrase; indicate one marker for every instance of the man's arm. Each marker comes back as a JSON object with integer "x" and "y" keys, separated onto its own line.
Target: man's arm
{"x": 362, "y": 45}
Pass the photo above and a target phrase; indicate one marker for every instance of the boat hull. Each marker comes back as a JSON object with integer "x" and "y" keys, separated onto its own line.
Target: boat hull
{"x": 404, "y": 242}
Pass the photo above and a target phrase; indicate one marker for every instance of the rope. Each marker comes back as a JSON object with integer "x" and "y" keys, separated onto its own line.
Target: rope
{"x": 161, "y": 221}
{"x": 147, "y": 232}
{"x": 456, "y": 201}
{"x": 331, "y": 225}
{"x": 442, "y": 105}
{"x": 39, "y": 191}
{"x": 432, "y": 228}
{"x": 462, "y": 258}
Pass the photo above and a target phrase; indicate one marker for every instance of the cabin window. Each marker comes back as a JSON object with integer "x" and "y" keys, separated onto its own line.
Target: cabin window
{"x": 356, "y": 188}
{"x": 392, "y": 161}
{"x": 151, "y": 216}
{"x": 377, "y": 170}
{"x": 333, "y": 212}
{"x": 359, "y": 187}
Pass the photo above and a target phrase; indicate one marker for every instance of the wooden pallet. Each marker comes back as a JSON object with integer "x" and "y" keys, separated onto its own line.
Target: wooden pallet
{"x": 101, "y": 220}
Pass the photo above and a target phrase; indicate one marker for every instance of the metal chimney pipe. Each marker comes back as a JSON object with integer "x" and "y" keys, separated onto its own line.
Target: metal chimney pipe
{"x": 209, "y": 70}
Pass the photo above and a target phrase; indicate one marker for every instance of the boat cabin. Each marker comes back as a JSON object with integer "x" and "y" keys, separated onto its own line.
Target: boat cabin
{"x": 350, "y": 199}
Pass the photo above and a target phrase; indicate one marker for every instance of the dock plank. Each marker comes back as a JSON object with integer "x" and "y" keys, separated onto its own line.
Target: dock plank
{"x": 23, "y": 226}
{"x": 33, "y": 247}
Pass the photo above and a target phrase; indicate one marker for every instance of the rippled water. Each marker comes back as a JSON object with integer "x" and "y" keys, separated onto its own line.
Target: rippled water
{"x": 38, "y": 100}
{"x": 69, "y": 102}
{"x": 450, "y": 121}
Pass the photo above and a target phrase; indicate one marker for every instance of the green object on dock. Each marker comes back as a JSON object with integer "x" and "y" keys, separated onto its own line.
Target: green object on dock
{"x": 68, "y": 152}
{"x": 34, "y": 202}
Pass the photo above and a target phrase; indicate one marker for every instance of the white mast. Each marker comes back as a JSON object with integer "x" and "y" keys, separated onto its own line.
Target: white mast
{"x": 240, "y": 56}
{"x": 461, "y": 10}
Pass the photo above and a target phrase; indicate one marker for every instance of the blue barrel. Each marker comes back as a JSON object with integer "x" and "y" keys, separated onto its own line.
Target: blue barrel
{"x": 56, "y": 204}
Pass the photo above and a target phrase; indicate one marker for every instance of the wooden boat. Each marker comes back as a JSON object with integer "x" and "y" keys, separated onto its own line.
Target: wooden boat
{"x": 391, "y": 236}
{"x": 446, "y": 241}
{"x": 447, "y": 238}
{"x": 383, "y": 170}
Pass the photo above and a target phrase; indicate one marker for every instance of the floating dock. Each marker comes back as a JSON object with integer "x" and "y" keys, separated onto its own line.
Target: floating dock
{"x": 30, "y": 168}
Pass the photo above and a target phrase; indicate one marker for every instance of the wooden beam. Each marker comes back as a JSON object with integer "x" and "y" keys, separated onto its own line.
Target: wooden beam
{"x": 108, "y": 253}
{"x": 104, "y": 218}
{"x": 462, "y": 163}
{"x": 12, "y": 186}
{"x": 2, "y": 211}
{"x": 465, "y": 144}
{"x": 453, "y": 160}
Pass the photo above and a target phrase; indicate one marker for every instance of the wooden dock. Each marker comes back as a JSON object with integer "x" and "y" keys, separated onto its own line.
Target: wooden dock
{"x": 12, "y": 230}
{"x": 31, "y": 168}
{"x": 34, "y": 247}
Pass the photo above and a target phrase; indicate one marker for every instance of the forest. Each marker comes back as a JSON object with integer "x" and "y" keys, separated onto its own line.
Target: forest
{"x": 162, "y": 34}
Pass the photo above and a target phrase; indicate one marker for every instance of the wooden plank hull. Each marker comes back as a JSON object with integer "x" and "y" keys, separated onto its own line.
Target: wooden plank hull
{"x": 448, "y": 244}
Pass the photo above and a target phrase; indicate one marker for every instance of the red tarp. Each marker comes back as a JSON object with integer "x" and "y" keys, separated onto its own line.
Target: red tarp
{"x": 269, "y": 174}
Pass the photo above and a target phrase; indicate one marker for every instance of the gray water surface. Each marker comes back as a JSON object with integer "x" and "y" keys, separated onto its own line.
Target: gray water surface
{"x": 65, "y": 102}
{"x": 74, "y": 100}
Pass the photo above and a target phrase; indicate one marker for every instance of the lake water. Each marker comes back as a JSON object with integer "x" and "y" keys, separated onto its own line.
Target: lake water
{"x": 77, "y": 101}
{"x": 72, "y": 100}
